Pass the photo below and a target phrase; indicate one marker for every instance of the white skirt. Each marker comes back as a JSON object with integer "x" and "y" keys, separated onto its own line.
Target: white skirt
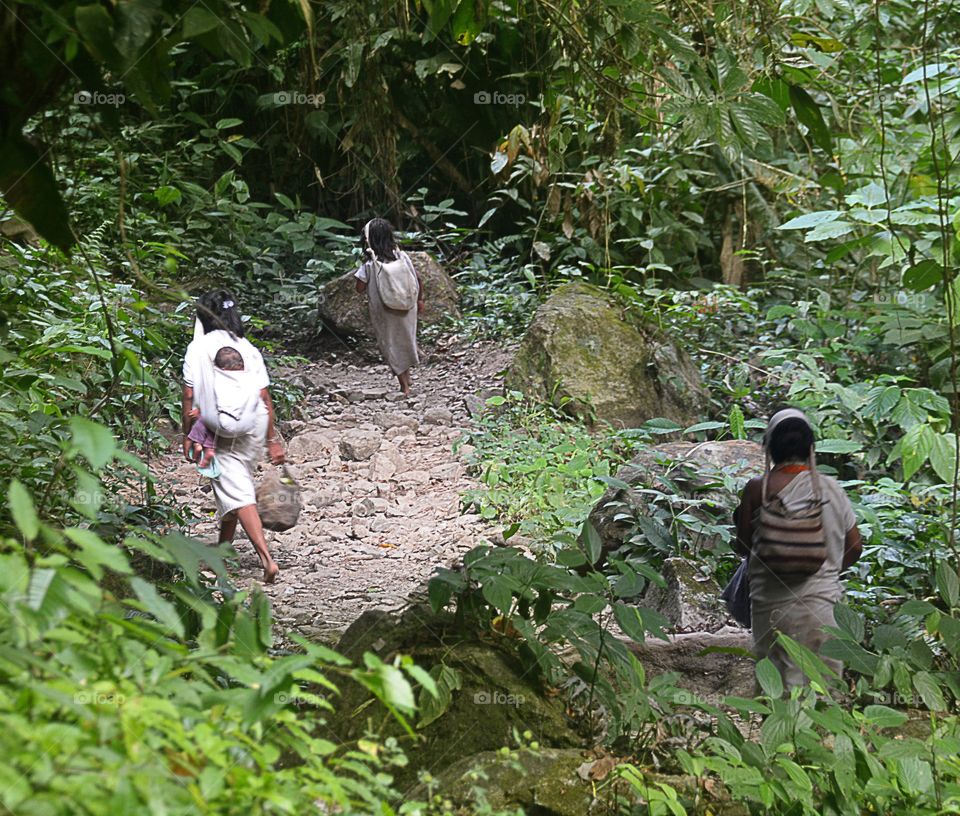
{"x": 237, "y": 457}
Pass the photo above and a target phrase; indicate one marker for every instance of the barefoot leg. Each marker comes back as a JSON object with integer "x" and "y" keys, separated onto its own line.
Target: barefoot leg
{"x": 404, "y": 378}
{"x": 250, "y": 520}
{"x": 228, "y": 528}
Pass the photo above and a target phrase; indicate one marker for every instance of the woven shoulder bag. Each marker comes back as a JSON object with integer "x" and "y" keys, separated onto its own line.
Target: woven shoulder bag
{"x": 789, "y": 538}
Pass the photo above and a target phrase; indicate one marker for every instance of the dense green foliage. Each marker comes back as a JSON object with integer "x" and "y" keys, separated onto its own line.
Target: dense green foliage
{"x": 773, "y": 183}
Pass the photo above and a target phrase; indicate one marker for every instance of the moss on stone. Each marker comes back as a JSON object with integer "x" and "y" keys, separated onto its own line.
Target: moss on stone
{"x": 498, "y": 697}
{"x": 581, "y": 353}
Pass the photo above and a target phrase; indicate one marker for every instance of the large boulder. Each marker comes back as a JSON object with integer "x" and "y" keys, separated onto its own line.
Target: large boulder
{"x": 690, "y": 600}
{"x": 489, "y": 692}
{"x": 689, "y": 466}
{"x": 582, "y": 353}
{"x": 345, "y": 311}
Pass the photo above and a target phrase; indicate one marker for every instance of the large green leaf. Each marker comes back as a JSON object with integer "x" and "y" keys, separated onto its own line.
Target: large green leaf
{"x": 925, "y": 72}
{"x": 849, "y": 622}
{"x": 467, "y": 22}
{"x": 96, "y": 28}
{"x": 497, "y": 592}
{"x": 95, "y": 554}
{"x": 948, "y": 585}
{"x": 93, "y": 440}
{"x": 158, "y": 606}
{"x": 591, "y": 542}
{"x": 838, "y": 446}
{"x": 22, "y": 509}
{"x": 813, "y": 219}
{"x": 915, "y": 448}
{"x": 808, "y": 114}
{"x": 198, "y": 20}
{"x": 768, "y": 676}
{"x": 884, "y": 717}
{"x": 929, "y": 690}
{"x": 923, "y": 275}
{"x": 943, "y": 456}
{"x": 29, "y": 186}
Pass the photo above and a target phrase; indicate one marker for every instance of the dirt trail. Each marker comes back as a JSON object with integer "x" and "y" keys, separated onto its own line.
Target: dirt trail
{"x": 381, "y": 486}
{"x": 381, "y": 490}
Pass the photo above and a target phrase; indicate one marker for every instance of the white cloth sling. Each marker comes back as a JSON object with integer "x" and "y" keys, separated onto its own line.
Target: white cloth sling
{"x": 228, "y": 400}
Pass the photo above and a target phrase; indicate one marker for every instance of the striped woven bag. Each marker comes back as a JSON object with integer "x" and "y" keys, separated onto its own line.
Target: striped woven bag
{"x": 789, "y": 539}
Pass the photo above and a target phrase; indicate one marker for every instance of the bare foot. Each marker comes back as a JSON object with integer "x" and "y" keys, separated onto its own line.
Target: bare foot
{"x": 270, "y": 572}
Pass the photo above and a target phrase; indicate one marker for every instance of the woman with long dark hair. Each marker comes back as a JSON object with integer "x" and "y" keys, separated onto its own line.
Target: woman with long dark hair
{"x": 219, "y": 331}
{"x": 395, "y": 330}
{"x": 798, "y": 530}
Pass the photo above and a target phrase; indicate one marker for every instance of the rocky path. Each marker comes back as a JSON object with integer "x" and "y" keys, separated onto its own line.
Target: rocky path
{"x": 381, "y": 480}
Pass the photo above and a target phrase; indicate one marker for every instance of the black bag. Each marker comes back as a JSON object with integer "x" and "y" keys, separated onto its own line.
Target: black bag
{"x": 736, "y": 594}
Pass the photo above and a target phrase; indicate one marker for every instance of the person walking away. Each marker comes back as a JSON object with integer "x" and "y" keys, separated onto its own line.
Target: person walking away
{"x": 219, "y": 327}
{"x": 395, "y": 298}
{"x": 798, "y": 530}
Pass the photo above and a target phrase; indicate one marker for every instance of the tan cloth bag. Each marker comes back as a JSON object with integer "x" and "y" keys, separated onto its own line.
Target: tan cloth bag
{"x": 278, "y": 500}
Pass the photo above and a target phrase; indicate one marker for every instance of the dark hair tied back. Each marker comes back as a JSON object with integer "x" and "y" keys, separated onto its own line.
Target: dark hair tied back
{"x": 218, "y": 310}
{"x": 791, "y": 441}
{"x": 378, "y": 237}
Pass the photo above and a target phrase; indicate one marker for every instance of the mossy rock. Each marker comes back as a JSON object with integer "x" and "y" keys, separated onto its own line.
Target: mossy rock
{"x": 563, "y": 782}
{"x": 498, "y": 695}
{"x": 690, "y": 601}
{"x": 583, "y": 354}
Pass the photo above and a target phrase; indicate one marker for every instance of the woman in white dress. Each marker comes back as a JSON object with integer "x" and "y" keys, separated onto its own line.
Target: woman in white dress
{"x": 219, "y": 326}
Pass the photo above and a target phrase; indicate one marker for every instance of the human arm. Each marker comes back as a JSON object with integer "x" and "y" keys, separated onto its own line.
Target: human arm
{"x": 188, "y": 418}
{"x": 274, "y": 447}
{"x": 362, "y": 277}
{"x": 743, "y": 517}
{"x": 852, "y": 547}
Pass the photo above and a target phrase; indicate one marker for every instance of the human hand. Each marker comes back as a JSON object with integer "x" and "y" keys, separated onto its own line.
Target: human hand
{"x": 275, "y": 452}
{"x": 421, "y": 306}
{"x": 194, "y": 413}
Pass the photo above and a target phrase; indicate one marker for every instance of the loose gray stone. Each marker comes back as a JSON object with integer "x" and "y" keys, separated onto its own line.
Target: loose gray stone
{"x": 391, "y": 419}
{"x": 309, "y": 447}
{"x": 359, "y": 445}
{"x": 438, "y": 416}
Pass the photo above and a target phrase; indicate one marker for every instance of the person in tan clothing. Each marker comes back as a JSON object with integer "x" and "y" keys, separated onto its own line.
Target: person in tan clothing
{"x": 800, "y": 607}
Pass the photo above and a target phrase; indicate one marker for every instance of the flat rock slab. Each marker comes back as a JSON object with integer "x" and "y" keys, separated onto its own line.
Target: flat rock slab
{"x": 712, "y": 676}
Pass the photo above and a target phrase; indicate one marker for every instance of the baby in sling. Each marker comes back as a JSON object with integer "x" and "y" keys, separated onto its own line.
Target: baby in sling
{"x": 232, "y": 410}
